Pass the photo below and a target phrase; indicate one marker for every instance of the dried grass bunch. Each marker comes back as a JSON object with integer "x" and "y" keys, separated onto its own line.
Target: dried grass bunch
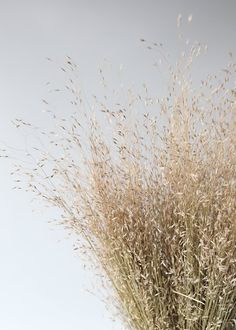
{"x": 149, "y": 186}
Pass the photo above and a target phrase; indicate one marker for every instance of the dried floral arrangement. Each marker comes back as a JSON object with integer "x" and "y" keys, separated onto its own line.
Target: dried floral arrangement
{"x": 149, "y": 187}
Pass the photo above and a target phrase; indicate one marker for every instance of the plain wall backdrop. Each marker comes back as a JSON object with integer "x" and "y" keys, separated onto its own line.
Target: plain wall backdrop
{"x": 42, "y": 282}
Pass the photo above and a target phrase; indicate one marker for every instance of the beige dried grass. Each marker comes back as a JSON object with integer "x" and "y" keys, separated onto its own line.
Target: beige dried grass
{"x": 154, "y": 201}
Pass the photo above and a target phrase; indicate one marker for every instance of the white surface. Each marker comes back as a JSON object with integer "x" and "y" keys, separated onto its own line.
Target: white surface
{"x": 42, "y": 283}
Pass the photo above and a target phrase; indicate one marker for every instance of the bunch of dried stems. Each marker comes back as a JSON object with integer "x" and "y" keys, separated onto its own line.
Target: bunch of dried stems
{"x": 149, "y": 186}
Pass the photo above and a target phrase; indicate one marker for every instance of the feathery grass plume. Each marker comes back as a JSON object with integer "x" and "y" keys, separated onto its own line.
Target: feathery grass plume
{"x": 149, "y": 186}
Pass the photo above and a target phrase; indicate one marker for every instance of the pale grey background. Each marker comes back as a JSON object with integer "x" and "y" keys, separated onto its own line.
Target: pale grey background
{"x": 42, "y": 282}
